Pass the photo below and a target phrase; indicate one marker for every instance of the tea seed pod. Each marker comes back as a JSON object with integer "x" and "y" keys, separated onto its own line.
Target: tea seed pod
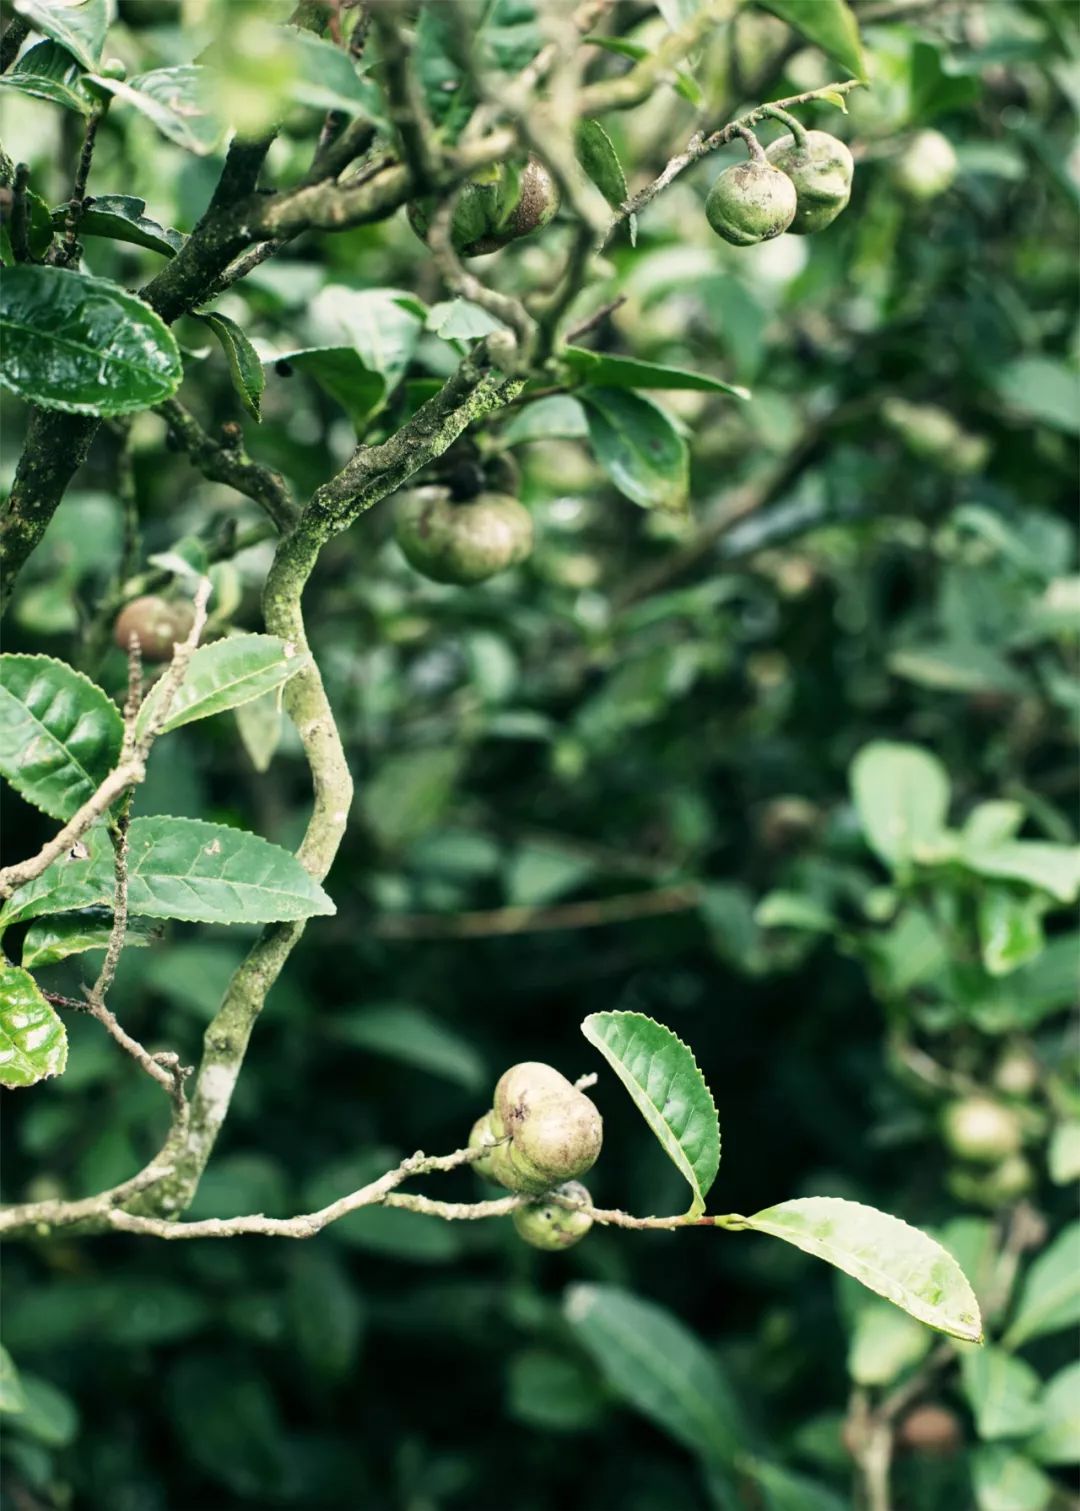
{"x": 157, "y": 624}
{"x": 821, "y": 168}
{"x": 555, "y": 1130}
{"x": 548, "y": 1225}
{"x": 462, "y": 543}
{"x": 981, "y": 1130}
{"x": 751, "y": 202}
{"x": 481, "y": 222}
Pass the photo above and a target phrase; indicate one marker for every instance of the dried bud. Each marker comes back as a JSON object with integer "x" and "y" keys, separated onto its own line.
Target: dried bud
{"x": 548, "y": 1225}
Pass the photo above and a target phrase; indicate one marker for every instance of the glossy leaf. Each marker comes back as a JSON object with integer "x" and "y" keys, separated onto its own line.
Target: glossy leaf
{"x": 627, "y": 372}
{"x": 83, "y": 344}
{"x": 73, "y": 934}
{"x": 657, "y": 1366}
{"x": 119, "y": 217}
{"x": 639, "y": 448}
{"x": 383, "y": 327}
{"x": 1002, "y": 1392}
{"x": 60, "y": 735}
{"x": 887, "y": 1255}
{"x": 667, "y": 1087}
{"x": 901, "y": 793}
{"x": 415, "y": 1038}
{"x": 49, "y": 72}
{"x": 1050, "y": 1296}
{"x": 224, "y": 675}
{"x": 179, "y": 868}
{"x": 80, "y": 26}
{"x": 1004, "y": 1480}
{"x": 33, "y": 1041}
{"x": 178, "y": 100}
{"x": 1057, "y": 1439}
{"x": 245, "y": 365}
{"x": 828, "y": 24}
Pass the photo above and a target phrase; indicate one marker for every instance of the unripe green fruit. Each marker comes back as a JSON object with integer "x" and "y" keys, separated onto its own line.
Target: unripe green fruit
{"x": 998, "y": 1187}
{"x": 555, "y": 1130}
{"x": 1017, "y": 1072}
{"x": 482, "y": 222}
{"x": 821, "y": 170}
{"x": 982, "y": 1130}
{"x": 926, "y": 167}
{"x": 751, "y": 202}
{"x": 547, "y": 1225}
{"x": 462, "y": 543}
{"x": 156, "y": 623}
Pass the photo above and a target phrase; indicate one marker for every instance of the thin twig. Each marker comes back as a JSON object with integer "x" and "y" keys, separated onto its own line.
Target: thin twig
{"x": 69, "y": 250}
{"x": 485, "y": 923}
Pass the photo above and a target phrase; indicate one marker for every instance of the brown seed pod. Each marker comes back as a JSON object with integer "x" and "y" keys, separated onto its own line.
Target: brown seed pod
{"x": 555, "y": 1131}
{"x": 481, "y": 222}
{"x": 931, "y": 1430}
{"x": 157, "y": 624}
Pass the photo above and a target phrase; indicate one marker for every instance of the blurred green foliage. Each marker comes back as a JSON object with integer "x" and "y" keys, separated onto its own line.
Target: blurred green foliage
{"x": 881, "y": 557}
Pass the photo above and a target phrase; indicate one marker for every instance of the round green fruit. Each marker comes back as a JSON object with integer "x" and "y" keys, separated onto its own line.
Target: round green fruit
{"x": 821, "y": 168}
{"x": 926, "y": 167}
{"x": 462, "y": 543}
{"x": 487, "y": 216}
{"x": 981, "y": 1130}
{"x": 751, "y": 202}
{"x": 1017, "y": 1073}
{"x": 157, "y": 624}
{"x": 548, "y": 1225}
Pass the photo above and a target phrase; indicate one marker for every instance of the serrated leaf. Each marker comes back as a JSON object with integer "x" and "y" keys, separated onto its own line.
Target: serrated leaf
{"x": 80, "y": 26}
{"x": 828, "y": 24}
{"x": 49, "y": 72}
{"x": 1050, "y": 1296}
{"x": 179, "y": 101}
{"x": 245, "y": 365}
{"x": 901, "y": 793}
{"x": 597, "y": 156}
{"x": 179, "y": 868}
{"x": 886, "y": 1254}
{"x": 33, "y": 1040}
{"x": 1057, "y": 1440}
{"x": 639, "y": 448}
{"x": 654, "y": 1363}
{"x": 12, "y": 1399}
{"x": 83, "y": 345}
{"x": 224, "y": 675}
{"x": 1001, "y": 1392}
{"x": 119, "y": 217}
{"x": 60, "y": 735}
{"x": 73, "y": 934}
{"x": 415, "y": 1038}
{"x": 667, "y": 1087}
{"x": 606, "y": 371}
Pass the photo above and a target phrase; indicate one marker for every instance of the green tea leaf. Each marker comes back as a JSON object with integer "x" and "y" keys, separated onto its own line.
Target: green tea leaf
{"x": 49, "y": 72}
{"x": 83, "y": 344}
{"x": 1002, "y": 1392}
{"x": 1004, "y": 1480}
{"x": 901, "y": 794}
{"x": 245, "y": 364}
{"x": 120, "y": 218}
{"x": 80, "y": 26}
{"x": 223, "y": 675}
{"x": 1050, "y": 1298}
{"x": 73, "y": 934}
{"x": 558, "y": 417}
{"x": 1040, "y": 863}
{"x": 659, "y": 1367}
{"x": 1010, "y": 929}
{"x": 179, "y": 868}
{"x": 33, "y": 1040}
{"x": 828, "y": 24}
{"x": 639, "y": 448}
{"x": 627, "y": 372}
{"x": 12, "y": 1399}
{"x": 341, "y": 373}
{"x": 668, "y": 1089}
{"x": 415, "y": 1038}
{"x": 885, "y": 1254}
{"x": 1057, "y": 1440}
{"x": 179, "y": 101}
{"x": 597, "y": 156}
{"x": 60, "y": 735}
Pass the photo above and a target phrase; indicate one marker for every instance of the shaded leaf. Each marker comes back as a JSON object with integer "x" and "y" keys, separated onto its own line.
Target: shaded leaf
{"x": 639, "y": 448}
{"x": 1057, "y": 1440}
{"x": 597, "y": 156}
{"x": 667, "y": 1087}
{"x": 415, "y": 1038}
{"x": 223, "y": 675}
{"x": 73, "y": 934}
{"x": 80, "y": 26}
{"x": 1001, "y": 1392}
{"x": 1005, "y": 1480}
{"x": 659, "y": 1367}
{"x": 82, "y": 344}
{"x": 178, "y": 100}
{"x": 12, "y": 1399}
{"x": 179, "y": 868}
{"x": 1042, "y": 389}
{"x": 460, "y": 320}
{"x": 49, "y": 72}
{"x": 557, "y": 417}
{"x": 245, "y": 366}
{"x": 1010, "y": 929}
{"x": 887, "y": 1255}
{"x": 33, "y": 1041}
{"x": 120, "y": 218}
{"x": 1050, "y": 1297}
{"x": 60, "y": 735}
{"x": 341, "y": 373}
